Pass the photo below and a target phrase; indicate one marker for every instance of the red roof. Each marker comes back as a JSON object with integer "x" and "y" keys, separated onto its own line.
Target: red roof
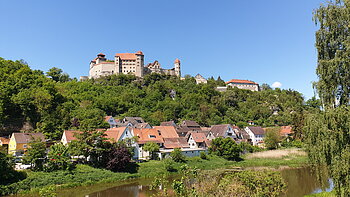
{"x": 148, "y": 135}
{"x": 70, "y": 135}
{"x": 199, "y": 137}
{"x": 101, "y": 54}
{"x": 139, "y": 53}
{"x": 241, "y": 81}
{"x": 177, "y": 60}
{"x": 286, "y": 130}
{"x": 167, "y": 131}
{"x": 107, "y": 118}
{"x": 126, "y": 56}
{"x": 4, "y": 140}
{"x": 114, "y": 134}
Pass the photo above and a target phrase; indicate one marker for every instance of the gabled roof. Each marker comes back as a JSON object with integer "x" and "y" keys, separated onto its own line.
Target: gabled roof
{"x": 197, "y": 137}
{"x": 142, "y": 125}
{"x": 240, "y": 81}
{"x": 257, "y": 130}
{"x": 189, "y": 123}
{"x": 167, "y": 131}
{"x": 70, "y": 135}
{"x": 242, "y": 133}
{"x": 22, "y": 138}
{"x": 114, "y": 134}
{"x": 169, "y": 123}
{"x": 179, "y": 142}
{"x": 148, "y": 135}
{"x": 107, "y": 118}
{"x": 219, "y": 130}
{"x": 133, "y": 120}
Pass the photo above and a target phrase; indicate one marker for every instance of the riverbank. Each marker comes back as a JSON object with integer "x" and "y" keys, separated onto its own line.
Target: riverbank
{"x": 85, "y": 175}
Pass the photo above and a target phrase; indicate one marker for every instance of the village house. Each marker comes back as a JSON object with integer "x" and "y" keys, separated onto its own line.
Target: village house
{"x": 196, "y": 140}
{"x": 126, "y": 63}
{"x": 223, "y": 130}
{"x": 144, "y": 136}
{"x": 286, "y": 131}
{"x": 134, "y": 122}
{"x": 20, "y": 142}
{"x": 256, "y": 134}
{"x": 243, "y": 84}
{"x": 111, "y": 121}
{"x": 68, "y": 136}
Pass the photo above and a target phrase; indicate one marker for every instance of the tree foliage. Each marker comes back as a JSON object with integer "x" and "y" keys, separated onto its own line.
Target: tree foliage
{"x": 59, "y": 158}
{"x": 119, "y": 157}
{"x": 36, "y": 154}
{"x": 7, "y": 173}
{"x": 152, "y": 148}
{"x": 226, "y": 148}
{"x": 327, "y": 131}
{"x": 272, "y": 138}
{"x": 177, "y": 155}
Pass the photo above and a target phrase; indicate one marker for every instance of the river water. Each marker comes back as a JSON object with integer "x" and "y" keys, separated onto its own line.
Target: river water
{"x": 300, "y": 181}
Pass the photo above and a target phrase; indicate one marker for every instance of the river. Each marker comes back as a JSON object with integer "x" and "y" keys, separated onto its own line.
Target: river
{"x": 300, "y": 181}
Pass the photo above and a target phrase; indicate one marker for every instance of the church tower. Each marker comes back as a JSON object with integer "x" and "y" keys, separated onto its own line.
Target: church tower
{"x": 177, "y": 67}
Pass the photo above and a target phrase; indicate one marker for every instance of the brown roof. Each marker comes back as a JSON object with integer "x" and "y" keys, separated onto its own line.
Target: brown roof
{"x": 257, "y": 130}
{"x": 126, "y": 56}
{"x": 242, "y": 133}
{"x": 198, "y": 137}
{"x": 22, "y": 138}
{"x": 177, "y": 60}
{"x": 169, "y": 123}
{"x": 141, "y": 125}
{"x": 101, "y": 54}
{"x": 4, "y": 140}
{"x": 219, "y": 130}
{"x": 286, "y": 130}
{"x": 179, "y": 142}
{"x": 241, "y": 81}
{"x": 189, "y": 123}
{"x": 139, "y": 53}
{"x": 70, "y": 135}
{"x": 148, "y": 135}
{"x": 167, "y": 131}
{"x": 114, "y": 134}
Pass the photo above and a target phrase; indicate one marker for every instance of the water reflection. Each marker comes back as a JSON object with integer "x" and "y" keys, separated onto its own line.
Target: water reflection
{"x": 129, "y": 190}
{"x": 304, "y": 181}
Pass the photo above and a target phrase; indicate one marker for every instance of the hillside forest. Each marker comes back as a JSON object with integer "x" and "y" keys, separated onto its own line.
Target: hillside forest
{"x": 51, "y": 102}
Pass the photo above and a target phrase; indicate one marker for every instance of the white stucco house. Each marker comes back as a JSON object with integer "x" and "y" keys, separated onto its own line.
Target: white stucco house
{"x": 256, "y": 134}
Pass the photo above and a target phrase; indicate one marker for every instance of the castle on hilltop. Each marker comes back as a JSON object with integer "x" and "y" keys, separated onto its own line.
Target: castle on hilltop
{"x": 129, "y": 63}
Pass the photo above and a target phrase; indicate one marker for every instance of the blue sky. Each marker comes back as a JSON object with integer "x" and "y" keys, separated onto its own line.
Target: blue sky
{"x": 263, "y": 41}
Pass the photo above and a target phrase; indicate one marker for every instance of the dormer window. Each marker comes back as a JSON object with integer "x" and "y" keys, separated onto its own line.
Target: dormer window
{"x": 152, "y": 136}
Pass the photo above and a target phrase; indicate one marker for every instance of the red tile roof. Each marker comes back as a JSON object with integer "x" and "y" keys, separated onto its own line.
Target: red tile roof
{"x": 126, "y": 56}
{"x": 148, "y": 135}
{"x": 241, "y": 81}
{"x": 179, "y": 142}
{"x": 177, "y": 60}
{"x": 70, "y": 135}
{"x": 167, "y": 131}
{"x": 114, "y": 134}
{"x": 107, "y": 118}
{"x": 198, "y": 137}
{"x": 286, "y": 130}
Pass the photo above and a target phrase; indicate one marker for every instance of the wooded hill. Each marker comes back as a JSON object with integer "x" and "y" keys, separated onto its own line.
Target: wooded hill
{"x": 52, "y": 102}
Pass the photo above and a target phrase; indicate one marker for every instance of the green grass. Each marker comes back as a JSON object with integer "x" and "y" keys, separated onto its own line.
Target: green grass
{"x": 290, "y": 161}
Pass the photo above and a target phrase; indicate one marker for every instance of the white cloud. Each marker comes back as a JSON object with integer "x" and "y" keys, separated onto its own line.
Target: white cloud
{"x": 277, "y": 84}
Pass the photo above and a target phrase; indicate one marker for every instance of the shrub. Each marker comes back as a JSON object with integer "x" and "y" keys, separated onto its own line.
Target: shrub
{"x": 203, "y": 156}
{"x": 169, "y": 165}
{"x": 272, "y": 138}
{"x": 226, "y": 148}
{"x": 177, "y": 156}
{"x": 58, "y": 158}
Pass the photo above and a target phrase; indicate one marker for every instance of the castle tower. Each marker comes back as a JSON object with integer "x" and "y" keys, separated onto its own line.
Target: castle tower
{"x": 139, "y": 64}
{"x": 177, "y": 67}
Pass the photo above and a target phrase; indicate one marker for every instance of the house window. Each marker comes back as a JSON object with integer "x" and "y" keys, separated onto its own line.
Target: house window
{"x": 152, "y": 136}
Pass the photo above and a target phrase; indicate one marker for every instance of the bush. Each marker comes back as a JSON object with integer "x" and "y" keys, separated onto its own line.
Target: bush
{"x": 226, "y": 148}
{"x": 169, "y": 165}
{"x": 177, "y": 156}
{"x": 272, "y": 138}
{"x": 203, "y": 156}
{"x": 49, "y": 191}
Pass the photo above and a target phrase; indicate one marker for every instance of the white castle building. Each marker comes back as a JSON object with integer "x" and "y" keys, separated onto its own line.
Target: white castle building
{"x": 128, "y": 63}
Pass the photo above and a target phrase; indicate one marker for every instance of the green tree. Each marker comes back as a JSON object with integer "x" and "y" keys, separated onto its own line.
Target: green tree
{"x": 59, "y": 158}
{"x": 152, "y": 148}
{"x": 177, "y": 155}
{"x": 272, "y": 138}
{"x": 36, "y": 154}
{"x": 327, "y": 132}
{"x": 226, "y": 148}
{"x": 7, "y": 173}
{"x": 57, "y": 75}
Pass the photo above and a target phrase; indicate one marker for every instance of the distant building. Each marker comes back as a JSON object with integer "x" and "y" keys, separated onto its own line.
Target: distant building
{"x": 20, "y": 142}
{"x": 128, "y": 63}
{"x": 256, "y": 134}
{"x": 200, "y": 79}
{"x": 243, "y": 84}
